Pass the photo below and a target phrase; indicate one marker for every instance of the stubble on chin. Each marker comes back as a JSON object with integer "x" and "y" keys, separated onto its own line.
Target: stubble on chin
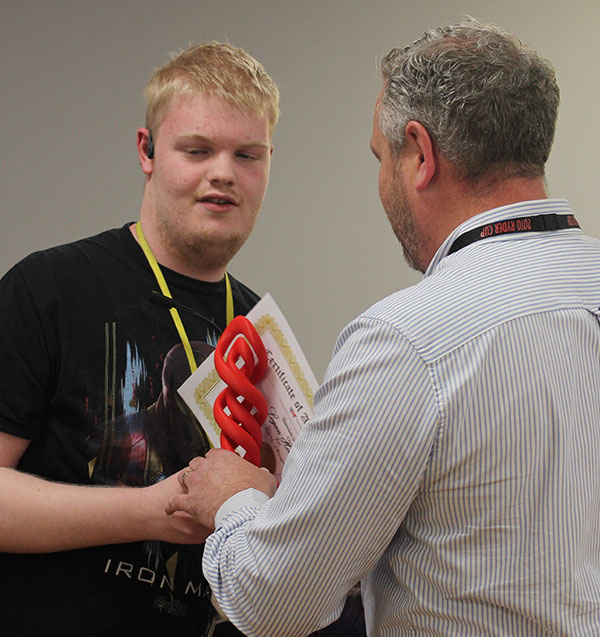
{"x": 211, "y": 253}
{"x": 196, "y": 250}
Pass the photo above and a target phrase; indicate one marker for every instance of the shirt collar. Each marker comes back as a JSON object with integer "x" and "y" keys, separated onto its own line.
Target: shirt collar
{"x": 522, "y": 208}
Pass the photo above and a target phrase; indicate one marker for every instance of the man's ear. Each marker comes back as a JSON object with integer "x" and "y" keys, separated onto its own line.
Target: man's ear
{"x": 425, "y": 163}
{"x": 143, "y": 141}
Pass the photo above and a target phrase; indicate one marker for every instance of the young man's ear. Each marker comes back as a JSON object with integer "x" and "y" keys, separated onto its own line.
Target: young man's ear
{"x": 422, "y": 151}
{"x": 145, "y": 148}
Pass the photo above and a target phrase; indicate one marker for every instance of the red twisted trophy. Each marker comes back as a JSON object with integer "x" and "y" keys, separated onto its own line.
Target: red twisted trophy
{"x": 241, "y": 427}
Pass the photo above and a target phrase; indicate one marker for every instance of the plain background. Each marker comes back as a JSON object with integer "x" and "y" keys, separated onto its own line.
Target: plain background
{"x": 72, "y": 79}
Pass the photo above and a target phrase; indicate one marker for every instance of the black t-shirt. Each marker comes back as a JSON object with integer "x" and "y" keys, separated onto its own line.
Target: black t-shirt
{"x": 90, "y": 368}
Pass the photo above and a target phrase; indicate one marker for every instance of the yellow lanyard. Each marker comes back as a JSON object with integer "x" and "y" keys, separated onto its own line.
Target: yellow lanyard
{"x": 164, "y": 288}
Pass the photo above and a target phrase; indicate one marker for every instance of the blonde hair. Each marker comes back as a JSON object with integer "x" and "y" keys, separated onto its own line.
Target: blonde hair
{"x": 214, "y": 68}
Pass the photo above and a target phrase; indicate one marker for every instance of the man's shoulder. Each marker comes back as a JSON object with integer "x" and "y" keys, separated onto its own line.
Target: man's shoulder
{"x": 72, "y": 254}
{"x": 471, "y": 293}
{"x": 78, "y": 268}
{"x": 413, "y": 311}
{"x": 111, "y": 239}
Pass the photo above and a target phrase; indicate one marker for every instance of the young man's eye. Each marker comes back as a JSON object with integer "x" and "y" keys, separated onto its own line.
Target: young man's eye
{"x": 248, "y": 156}
{"x": 196, "y": 151}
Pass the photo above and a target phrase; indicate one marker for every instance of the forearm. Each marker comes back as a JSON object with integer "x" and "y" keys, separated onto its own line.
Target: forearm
{"x": 285, "y": 568}
{"x": 39, "y": 516}
{"x": 266, "y": 578}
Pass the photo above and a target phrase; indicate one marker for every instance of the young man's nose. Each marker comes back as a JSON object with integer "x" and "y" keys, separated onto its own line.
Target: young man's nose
{"x": 221, "y": 169}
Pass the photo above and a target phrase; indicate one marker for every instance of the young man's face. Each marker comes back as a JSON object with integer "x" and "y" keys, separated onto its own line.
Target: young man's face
{"x": 208, "y": 180}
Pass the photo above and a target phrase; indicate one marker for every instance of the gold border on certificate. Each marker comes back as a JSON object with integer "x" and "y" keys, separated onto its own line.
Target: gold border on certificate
{"x": 211, "y": 382}
{"x": 267, "y": 323}
{"x": 288, "y": 408}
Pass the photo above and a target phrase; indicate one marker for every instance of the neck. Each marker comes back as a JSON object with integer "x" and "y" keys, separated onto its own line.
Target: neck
{"x": 460, "y": 202}
{"x": 175, "y": 263}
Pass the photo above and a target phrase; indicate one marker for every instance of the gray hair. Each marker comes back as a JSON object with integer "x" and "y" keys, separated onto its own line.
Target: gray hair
{"x": 488, "y": 102}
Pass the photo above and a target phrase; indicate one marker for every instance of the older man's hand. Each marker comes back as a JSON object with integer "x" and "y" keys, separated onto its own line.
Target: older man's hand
{"x": 212, "y": 480}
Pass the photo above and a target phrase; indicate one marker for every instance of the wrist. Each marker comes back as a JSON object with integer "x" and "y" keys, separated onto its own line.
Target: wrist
{"x": 150, "y": 520}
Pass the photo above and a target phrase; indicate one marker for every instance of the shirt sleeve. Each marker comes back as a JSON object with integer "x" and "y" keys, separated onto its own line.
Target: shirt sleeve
{"x": 25, "y": 351}
{"x": 285, "y": 567}
{"x": 248, "y": 497}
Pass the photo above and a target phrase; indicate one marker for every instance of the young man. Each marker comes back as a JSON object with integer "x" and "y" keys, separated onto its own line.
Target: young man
{"x": 91, "y": 363}
{"x": 453, "y": 463}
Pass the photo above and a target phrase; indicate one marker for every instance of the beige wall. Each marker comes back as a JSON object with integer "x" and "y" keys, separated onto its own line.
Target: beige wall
{"x": 72, "y": 80}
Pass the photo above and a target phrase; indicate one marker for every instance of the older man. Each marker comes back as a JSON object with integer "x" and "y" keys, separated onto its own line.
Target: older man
{"x": 453, "y": 463}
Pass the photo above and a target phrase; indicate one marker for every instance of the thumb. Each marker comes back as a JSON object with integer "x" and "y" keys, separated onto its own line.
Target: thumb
{"x": 176, "y": 503}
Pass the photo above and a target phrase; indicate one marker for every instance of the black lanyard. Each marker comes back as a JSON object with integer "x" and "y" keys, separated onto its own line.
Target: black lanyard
{"x": 532, "y": 223}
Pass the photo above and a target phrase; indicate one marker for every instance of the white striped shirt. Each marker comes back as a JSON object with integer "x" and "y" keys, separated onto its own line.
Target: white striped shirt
{"x": 453, "y": 463}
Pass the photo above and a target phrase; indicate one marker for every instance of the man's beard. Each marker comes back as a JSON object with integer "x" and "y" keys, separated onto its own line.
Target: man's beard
{"x": 402, "y": 220}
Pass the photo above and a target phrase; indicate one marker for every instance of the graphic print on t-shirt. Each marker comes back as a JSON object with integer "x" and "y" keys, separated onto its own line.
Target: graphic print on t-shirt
{"x": 139, "y": 445}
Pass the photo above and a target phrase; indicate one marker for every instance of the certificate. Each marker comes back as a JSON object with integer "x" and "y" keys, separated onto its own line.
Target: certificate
{"x": 288, "y": 386}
